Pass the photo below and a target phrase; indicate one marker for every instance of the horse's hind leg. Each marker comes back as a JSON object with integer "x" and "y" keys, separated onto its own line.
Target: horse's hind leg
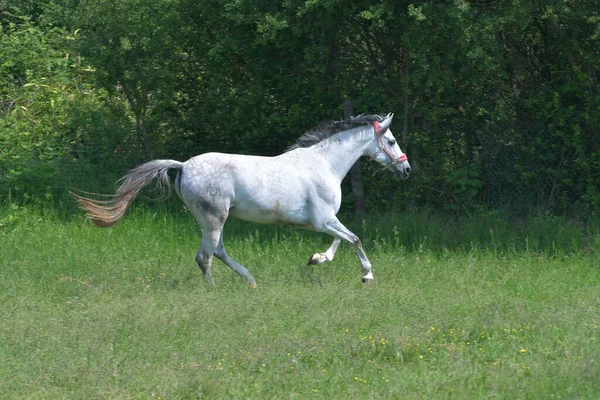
{"x": 232, "y": 263}
{"x": 211, "y": 218}
{"x": 210, "y": 240}
{"x": 319, "y": 258}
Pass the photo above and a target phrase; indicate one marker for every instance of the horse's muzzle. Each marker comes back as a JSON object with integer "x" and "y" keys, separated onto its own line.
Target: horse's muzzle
{"x": 403, "y": 170}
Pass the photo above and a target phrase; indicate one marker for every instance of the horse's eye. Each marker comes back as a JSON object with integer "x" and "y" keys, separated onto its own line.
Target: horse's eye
{"x": 392, "y": 142}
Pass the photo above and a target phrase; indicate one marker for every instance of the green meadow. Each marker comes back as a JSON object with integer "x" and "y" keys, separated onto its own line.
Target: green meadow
{"x": 473, "y": 308}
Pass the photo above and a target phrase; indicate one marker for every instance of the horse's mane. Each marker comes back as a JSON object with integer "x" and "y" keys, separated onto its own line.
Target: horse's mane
{"x": 328, "y": 129}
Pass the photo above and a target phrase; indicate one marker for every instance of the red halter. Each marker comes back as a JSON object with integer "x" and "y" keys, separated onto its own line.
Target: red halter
{"x": 379, "y": 133}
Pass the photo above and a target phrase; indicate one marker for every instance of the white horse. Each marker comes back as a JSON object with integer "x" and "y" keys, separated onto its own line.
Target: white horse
{"x": 300, "y": 187}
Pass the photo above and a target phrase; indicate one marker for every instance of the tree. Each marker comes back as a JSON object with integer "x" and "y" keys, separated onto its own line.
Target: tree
{"x": 131, "y": 47}
{"x": 34, "y": 86}
{"x": 495, "y": 102}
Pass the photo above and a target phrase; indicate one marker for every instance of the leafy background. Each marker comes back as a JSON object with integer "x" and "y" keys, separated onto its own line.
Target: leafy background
{"x": 496, "y": 102}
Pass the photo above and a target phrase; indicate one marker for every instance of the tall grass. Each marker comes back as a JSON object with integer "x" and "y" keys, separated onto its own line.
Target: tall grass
{"x": 460, "y": 309}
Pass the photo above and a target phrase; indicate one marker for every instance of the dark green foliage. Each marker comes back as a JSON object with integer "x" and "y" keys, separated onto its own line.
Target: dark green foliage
{"x": 496, "y": 103}
{"x": 35, "y": 86}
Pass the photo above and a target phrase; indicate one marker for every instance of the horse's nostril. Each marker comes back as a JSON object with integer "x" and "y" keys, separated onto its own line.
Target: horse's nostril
{"x": 408, "y": 170}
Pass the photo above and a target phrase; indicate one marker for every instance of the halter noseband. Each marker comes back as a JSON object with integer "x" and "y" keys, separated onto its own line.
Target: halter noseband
{"x": 379, "y": 133}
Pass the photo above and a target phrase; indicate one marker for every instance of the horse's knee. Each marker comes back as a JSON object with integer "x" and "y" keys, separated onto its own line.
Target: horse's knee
{"x": 355, "y": 241}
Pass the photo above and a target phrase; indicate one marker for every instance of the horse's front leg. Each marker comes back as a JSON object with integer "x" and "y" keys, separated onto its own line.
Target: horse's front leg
{"x": 335, "y": 228}
{"x": 319, "y": 258}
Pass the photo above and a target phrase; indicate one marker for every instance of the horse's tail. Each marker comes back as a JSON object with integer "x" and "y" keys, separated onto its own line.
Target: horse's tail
{"x": 105, "y": 213}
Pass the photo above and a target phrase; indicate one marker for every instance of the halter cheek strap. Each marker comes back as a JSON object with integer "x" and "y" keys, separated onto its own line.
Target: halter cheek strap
{"x": 378, "y": 129}
{"x": 379, "y": 133}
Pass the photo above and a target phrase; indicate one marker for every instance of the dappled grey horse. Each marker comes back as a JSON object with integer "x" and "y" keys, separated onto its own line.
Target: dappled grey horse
{"x": 300, "y": 187}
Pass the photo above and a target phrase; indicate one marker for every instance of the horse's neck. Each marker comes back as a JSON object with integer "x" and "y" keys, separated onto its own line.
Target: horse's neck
{"x": 344, "y": 150}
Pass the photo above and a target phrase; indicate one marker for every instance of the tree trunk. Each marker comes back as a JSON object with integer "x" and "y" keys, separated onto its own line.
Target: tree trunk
{"x": 140, "y": 123}
{"x": 358, "y": 190}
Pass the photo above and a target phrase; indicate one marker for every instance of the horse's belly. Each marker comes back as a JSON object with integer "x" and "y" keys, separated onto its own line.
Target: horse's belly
{"x": 274, "y": 214}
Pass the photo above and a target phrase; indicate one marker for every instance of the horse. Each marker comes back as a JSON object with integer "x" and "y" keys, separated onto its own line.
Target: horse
{"x": 301, "y": 187}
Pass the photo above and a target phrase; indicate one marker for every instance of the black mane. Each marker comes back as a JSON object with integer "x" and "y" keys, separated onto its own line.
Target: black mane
{"x": 328, "y": 129}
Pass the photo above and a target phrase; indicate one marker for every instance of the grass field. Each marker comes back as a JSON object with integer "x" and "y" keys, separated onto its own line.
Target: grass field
{"x": 484, "y": 308}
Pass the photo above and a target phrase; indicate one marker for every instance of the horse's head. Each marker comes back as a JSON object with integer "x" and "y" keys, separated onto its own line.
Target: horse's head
{"x": 385, "y": 149}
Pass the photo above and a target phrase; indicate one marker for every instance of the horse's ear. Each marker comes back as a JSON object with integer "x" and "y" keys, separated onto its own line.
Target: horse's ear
{"x": 387, "y": 121}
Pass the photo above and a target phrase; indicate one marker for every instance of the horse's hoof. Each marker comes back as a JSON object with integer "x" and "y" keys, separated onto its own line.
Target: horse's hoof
{"x": 314, "y": 259}
{"x": 368, "y": 278}
{"x": 253, "y": 285}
